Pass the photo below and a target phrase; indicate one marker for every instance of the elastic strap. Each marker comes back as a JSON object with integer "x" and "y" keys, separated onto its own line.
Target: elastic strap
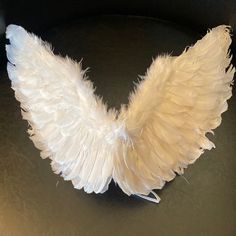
{"x": 154, "y": 199}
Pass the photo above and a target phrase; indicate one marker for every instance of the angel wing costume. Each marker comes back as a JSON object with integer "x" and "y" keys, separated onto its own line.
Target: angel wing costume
{"x": 156, "y": 136}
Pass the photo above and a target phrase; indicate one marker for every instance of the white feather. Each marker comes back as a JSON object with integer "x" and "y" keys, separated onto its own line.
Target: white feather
{"x": 157, "y": 135}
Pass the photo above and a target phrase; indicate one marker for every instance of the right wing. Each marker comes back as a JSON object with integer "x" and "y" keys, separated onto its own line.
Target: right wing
{"x": 175, "y": 105}
{"x": 68, "y": 123}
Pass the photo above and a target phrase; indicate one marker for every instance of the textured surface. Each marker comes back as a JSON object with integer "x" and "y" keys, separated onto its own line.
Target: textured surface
{"x": 200, "y": 14}
{"x": 34, "y": 201}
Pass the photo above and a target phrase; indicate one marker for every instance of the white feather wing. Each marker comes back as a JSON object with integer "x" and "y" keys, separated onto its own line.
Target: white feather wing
{"x": 161, "y": 131}
{"x": 177, "y": 103}
{"x": 69, "y": 124}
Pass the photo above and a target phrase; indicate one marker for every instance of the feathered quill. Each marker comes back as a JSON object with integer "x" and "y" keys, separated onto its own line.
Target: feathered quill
{"x": 156, "y": 136}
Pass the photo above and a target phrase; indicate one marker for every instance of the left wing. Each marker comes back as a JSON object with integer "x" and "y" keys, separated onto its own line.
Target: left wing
{"x": 68, "y": 123}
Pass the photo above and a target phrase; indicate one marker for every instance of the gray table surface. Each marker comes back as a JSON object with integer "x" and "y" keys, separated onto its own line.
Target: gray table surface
{"x": 34, "y": 201}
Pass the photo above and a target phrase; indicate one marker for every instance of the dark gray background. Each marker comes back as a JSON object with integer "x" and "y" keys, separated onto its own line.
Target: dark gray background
{"x": 117, "y": 47}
